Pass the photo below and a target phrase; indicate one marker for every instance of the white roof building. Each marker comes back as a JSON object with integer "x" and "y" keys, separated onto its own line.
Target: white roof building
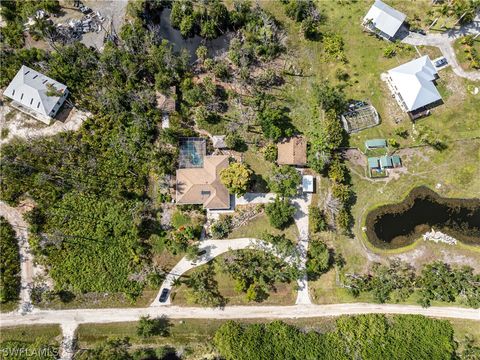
{"x": 36, "y": 94}
{"x": 412, "y": 84}
{"x": 384, "y": 19}
{"x": 308, "y": 183}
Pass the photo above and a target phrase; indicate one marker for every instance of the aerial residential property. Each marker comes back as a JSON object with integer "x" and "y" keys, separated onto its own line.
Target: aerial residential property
{"x": 413, "y": 85}
{"x": 240, "y": 180}
{"x": 198, "y": 176}
{"x": 36, "y": 94}
{"x": 202, "y": 185}
{"x": 292, "y": 151}
{"x": 384, "y": 20}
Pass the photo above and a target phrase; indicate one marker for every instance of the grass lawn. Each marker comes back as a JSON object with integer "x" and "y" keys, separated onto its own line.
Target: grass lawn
{"x": 101, "y": 300}
{"x": 194, "y": 336}
{"x": 50, "y": 334}
{"x": 9, "y": 306}
{"x": 465, "y": 328}
{"x": 260, "y": 225}
{"x": 461, "y": 54}
{"x": 285, "y": 294}
{"x": 261, "y": 168}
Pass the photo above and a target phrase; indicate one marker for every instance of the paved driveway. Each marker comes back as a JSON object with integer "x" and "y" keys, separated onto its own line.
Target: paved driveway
{"x": 444, "y": 41}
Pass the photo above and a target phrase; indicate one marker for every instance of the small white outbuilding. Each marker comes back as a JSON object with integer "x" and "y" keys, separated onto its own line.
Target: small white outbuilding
{"x": 308, "y": 183}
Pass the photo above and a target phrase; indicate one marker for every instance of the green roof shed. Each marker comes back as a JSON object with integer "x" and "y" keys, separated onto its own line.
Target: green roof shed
{"x": 386, "y": 162}
{"x": 375, "y": 144}
{"x": 397, "y": 162}
{"x": 373, "y": 163}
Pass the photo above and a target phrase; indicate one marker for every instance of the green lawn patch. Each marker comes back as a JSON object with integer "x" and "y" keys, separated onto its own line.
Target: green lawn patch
{"x": 261, "y": 225}
{"x": 40, "y": 340}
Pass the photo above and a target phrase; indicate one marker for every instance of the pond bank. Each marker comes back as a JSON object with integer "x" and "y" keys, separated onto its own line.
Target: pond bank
{"x": 397, "y": 225}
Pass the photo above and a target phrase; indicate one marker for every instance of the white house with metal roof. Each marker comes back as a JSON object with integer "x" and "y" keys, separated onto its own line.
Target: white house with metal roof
{"x": 413, "y": 86}
{"x": 36, "y": 94}
{"x": 383, "y": 20}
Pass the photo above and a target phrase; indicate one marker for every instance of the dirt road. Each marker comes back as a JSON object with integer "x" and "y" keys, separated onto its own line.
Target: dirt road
{"x": 15, "y": 218}
{"x": 82, "y": 316}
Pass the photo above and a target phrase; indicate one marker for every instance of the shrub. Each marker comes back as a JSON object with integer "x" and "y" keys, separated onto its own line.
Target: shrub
{"x": 221, "y": 228}
{"x": 390, "y": 51}
{"x": 270, "y": 152}
{"x": 148, "y": 327}
{"x": 317, "y": 219}
{"x": 318, "y": 258}
{"x": 280, "y": 213}
{"x": 220, "y": 70}
{"x": 235, "y": 142}
{"x": 10, "y": 264}
{"x": 285, "y": 180}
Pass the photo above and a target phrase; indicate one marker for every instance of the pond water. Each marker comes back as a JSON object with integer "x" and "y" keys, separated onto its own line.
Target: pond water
{"x": 166, "y": 31}
{"x": 397, "y": 225}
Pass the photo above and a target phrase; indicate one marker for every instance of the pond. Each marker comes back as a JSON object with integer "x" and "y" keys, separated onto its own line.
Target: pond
{"x": 397, "y": 225}
{"x": 164, "y": 27}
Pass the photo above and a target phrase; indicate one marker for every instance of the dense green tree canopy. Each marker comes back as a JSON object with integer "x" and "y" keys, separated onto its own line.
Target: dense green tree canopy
{"x": 10, "y": 264}
{"x": 285, "y": 181}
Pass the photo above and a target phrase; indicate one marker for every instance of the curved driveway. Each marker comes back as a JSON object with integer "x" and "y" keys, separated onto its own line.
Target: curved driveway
{"x": 444, "y": 41}
{"x": 212, "y": 249}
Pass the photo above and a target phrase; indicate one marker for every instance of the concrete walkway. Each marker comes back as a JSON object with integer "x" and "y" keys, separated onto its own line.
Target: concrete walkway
{"x": 444, "y": 41}
{"x": 20, "y": 226}
{"x": 255, "y": 198}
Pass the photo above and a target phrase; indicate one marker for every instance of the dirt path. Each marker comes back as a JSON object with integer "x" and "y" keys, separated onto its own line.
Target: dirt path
{"x": 67, "y": 346}
{"x": 24, "y": 127}
{"x": 15, "y": 217}
{"x": 83, "y": 316}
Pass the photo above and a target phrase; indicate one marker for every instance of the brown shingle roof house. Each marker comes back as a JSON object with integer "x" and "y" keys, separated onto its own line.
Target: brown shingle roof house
{"x": 292, "y": 151}
{"x": 202, "y": 185}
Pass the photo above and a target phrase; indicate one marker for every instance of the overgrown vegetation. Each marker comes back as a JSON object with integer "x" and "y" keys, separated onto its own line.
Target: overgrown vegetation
{"x": 98, "y": 175}
{"x": 122, "y": 349}
{"x": 437, "y": 282}
{"x": 256, "y": 272}
{"x": 10, "y": 264}
{"x": 15, "y": 14}
{"x": 364, "y": 336}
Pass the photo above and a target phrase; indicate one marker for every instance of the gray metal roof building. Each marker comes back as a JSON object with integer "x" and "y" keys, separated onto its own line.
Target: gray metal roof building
{"x": 384, "y": 19}
{"x": 413, "y": 84}
{"x": 36, "y": 94}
